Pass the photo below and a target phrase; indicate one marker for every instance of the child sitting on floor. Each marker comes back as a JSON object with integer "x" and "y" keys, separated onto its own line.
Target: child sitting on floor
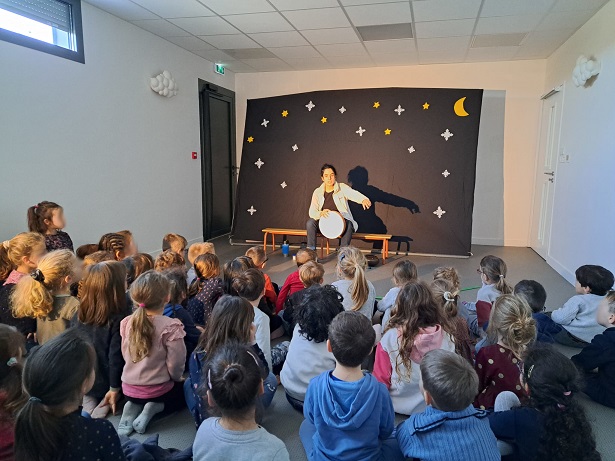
{"x": 552, "y": 425}
{"x": 47, "y": 218}
{"x": 536, "y": 297}
{"x": 308, "y": 355}
{"x": 310, "y": 274}
{"x": 600, "y": 354}
{"x": 292, "y": 282}
{"x": 196, "y": 250}
{"x": 403, "y": 272}
{"x": 578, "y": 315}
{"x": 232, "y": 384}
{"x": 259, "y": 258}
{"x": 206, "y": 288}
{"x": 348, "y": 413}
{"x": 176, "y": 243}
{"x": 450, "y": 428}
{"x": 168, "y": 259}
{"x": 358, "y": 292}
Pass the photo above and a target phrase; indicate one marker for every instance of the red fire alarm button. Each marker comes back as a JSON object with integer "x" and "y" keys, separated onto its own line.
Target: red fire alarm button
{"x": 194, "y": 156}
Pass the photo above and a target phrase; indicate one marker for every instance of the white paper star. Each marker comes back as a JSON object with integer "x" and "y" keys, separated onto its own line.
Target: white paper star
{"x": 265, "y": 122}
{"x": 439, "y": 212}
{"x": 251, "y": 210}
{"x": 310, "y": 106}
{"x": 447, "y": 134}
{"x": 411, "y": 149}
{"x": 445, "y": 173}
{"x": 360, "y": 131}
{"x": 283, "y": 185}
{"x": 295, "y": 147}
{"x": 399, "y": 110}
{"x": 342, "y": 109}
{"x": 259, "y": 163}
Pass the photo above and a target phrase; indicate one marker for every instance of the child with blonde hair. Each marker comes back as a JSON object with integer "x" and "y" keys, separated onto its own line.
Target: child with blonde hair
{"x": 448, "y": 273}
{"x": 47, "y": 218}
{"x": 195, "y": 250}
{"x": 206, "y": 288}
{"x": 310, "y": 274}
{"x": 292, "y": 282}
{"x": 154, "y": 351}
{"x": 18, "y": 258}
{"x": 417, "y": 325}
{"x": 259, "y": 258}
{"x": 358, "y": 292}
{"x": 511, "y": 330}
{"x": 176, "y": 243}
{"x": 168, "y": 259}
{"x": 403, "y": 272}
{"x": 45, "y": 294}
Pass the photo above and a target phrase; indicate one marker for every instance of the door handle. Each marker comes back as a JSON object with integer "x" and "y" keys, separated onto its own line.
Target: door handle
{"x": 550, "y": 174}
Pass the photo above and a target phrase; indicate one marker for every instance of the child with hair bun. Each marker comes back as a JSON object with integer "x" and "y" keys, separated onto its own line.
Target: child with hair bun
{"x": 155, "y": 354}
{"x": 511, "y": 331}
{"x": 18, "y": 258}
{"x": 232, "y": 384}
{"x": 47, "y": 218}
{"x": 168, "y": 259}
{"x": 358, "y": 292}
{"x": 45, "y": 294}
{"x": 12, "y": 397}
{"x": 551, "y": 424}
{"x": 448, "y": 273}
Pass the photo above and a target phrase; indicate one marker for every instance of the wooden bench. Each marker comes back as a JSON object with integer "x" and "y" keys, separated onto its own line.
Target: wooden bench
{"x": 273, "y": 231}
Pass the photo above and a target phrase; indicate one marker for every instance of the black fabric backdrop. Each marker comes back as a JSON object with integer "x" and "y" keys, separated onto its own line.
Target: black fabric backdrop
{"x": 405, "y": 187}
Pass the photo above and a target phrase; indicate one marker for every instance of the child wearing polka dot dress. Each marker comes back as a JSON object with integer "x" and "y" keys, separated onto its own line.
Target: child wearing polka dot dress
{"x": 206, "y": 289}
{"x": 512, "y": 329}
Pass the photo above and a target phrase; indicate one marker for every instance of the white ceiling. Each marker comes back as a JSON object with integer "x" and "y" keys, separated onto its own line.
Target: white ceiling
{"x": 274, "y": 35}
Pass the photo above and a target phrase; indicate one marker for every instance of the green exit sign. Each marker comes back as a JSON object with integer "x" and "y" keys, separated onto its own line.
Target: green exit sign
{"x": 219, "y": 68}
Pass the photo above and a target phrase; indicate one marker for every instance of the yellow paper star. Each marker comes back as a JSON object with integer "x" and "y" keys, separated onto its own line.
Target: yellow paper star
{"x": 387, "y": 132}
{"x": 250, "y": 139}
{"x": 425, "y": 106}
{"x": 323, "y": 120}
{"x": 376, "y": 105}
{"x": 284, "y": 113}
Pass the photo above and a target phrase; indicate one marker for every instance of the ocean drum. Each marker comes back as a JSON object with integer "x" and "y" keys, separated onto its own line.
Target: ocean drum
{"x": 333, "y": 225}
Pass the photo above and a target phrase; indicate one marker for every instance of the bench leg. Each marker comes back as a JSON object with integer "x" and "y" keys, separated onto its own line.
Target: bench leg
{"x": 265, "y": 243}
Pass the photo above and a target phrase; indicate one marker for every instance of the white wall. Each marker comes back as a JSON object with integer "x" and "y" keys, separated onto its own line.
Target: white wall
{"x": 97, "y": 140}
{"x": 584, "y": 198}
{"x": 523, "y": 83}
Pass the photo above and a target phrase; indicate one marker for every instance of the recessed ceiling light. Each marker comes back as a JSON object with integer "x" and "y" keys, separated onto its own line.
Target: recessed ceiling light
{"x": 385, "y": 32}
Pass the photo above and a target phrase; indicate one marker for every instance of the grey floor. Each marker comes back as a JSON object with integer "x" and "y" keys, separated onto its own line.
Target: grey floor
{"x": 281, "y": 420}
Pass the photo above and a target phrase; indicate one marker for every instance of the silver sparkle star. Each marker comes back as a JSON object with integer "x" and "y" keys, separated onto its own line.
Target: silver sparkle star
{"x": 399, "y": 110}
{"x": 295, "y": 147}
{"x": 447, "y": 134}
{"x": 342, "y": 109}
{"x": 411, "y": 149}
{"x": 259, "y": 163}
{"x": 360, "y": 131}
{"x": 283, "y": 185}
{"x": 445, "y": 173}
{"x": 265, "y": 122}
{"x": 251, "y": 210}
{"x": 439, "y": 212}
{"x": 310, "y": 106}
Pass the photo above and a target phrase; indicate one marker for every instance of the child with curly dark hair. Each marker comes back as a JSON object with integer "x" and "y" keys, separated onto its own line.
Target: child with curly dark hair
{"x": 552, "y": 424}
{"x": 307, "y": 354}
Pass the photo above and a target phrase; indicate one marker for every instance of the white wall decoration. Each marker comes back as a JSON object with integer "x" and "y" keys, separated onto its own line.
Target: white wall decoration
{"x": 164, "y": 84}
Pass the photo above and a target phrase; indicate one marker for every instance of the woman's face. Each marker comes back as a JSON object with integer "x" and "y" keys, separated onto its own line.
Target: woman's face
{"x": 328, "y": 177}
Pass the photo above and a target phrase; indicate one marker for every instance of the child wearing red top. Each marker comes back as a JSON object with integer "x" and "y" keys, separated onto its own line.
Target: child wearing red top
{"x": 293, "y": 283}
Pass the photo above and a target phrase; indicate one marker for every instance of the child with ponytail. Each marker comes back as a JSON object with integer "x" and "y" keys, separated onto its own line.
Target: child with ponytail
{"x": 358, "y": 292}
{"x": 18, "y": 258}
{"x": 511, "y": 331}
{"x": 551, "y": 424}
{"x": 232, "y": 385}
{"x": 45, "y": 294}
{"x": 47, "y": 218}
{"x": 56, "y": 376}
{"x": 417, "y": 326}
{"x": 206, "y": 288}
{"x": 154, "y": 351}
{"x": 12, "y": 397}
{"x": 103, "y": 307}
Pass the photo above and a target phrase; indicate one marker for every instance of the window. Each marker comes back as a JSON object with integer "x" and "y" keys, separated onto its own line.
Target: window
{"x": 52, "y": 26}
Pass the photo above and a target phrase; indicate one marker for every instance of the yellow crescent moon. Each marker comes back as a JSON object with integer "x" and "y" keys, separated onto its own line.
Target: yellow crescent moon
{"x": 459, "y": 110}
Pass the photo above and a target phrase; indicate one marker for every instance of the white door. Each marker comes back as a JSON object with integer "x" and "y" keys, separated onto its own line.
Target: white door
{"x": 544, "y": 184}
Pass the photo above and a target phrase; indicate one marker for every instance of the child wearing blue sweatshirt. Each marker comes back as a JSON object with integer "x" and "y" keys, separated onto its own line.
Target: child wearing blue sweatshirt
{"x": 348, "y": 413}
{"x": 536, "y": 296}
{"x": 578, "y": 315}
{"x": 450, "y": 428}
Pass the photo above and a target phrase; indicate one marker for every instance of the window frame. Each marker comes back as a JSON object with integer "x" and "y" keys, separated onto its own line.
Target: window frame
{"x": 50, "y": 48}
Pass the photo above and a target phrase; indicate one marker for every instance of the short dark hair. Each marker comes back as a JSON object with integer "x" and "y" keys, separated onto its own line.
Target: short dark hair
{"x": 450, "y": 380}
{"x": 352, "y": 338}
{"x": 533, "y": 292}
{"x": 318, "y": 307}
{"x": 232, "y": 269}
{"x": 327, "y": 166}
{"x": 597, "y": 278}
{"x": 250, "y": 284}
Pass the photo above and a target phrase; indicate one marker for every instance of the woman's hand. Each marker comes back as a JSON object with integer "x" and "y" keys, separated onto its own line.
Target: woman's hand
{"x": 324, "y": 213}
{"x": 366, "y": 204}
